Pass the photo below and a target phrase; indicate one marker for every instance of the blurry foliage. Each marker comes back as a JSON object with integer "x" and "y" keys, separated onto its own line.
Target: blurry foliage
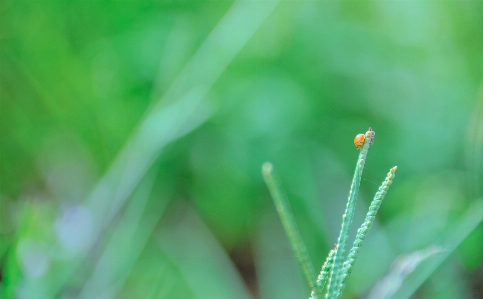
{"x": 78, "y": 78}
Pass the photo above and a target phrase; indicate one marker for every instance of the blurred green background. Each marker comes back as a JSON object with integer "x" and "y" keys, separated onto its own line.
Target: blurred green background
{"x": 133, "y": 133}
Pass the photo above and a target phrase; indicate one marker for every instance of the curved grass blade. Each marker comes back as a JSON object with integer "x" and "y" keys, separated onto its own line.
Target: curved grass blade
{"x": 459, "y": 232}
{"x": 401, "y": 268}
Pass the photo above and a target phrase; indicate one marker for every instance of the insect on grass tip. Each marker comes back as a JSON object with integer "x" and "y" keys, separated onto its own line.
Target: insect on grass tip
{"x": 359, "y": 140}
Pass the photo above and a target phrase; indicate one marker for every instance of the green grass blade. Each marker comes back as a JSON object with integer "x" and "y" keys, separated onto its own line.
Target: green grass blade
{"x": 288, "y": 222}
{"x": 126, "y": 244}
{"x": 180, "y": 110}
{"x": 334, "y": 279}
{"x": 317, "y": 292}
{"x": 460, "y": 231}
{"x": 362, "y": 232}
{"x": 401, "y": 268}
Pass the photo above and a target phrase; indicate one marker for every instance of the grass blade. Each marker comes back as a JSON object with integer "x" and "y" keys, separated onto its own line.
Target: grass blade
{"x": 469, "y": 221}
{"x": 180, "y": 110}
{"x": 362, "y": 232}
{"x": 323, "y": 276}
{"x": 402, "y": 267}
{"x": 127, "y": 242}
{"x": 334, "y": 279}
{"x": 288, "y": 222}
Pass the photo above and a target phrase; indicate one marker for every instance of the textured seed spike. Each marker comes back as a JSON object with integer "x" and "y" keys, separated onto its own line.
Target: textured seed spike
{"x": 336, "y": 275}
{"x": 323, "y": 276}
{"x": 362, "y": 232}
{"x": 370, "y": 135}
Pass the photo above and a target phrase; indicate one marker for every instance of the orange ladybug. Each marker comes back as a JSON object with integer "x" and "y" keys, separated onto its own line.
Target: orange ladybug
{"x": 359, "y": 140}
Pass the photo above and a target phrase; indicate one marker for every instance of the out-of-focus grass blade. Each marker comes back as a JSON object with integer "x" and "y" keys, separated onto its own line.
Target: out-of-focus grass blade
{"x": 163, "y": 125}
{"x": 12, "y": 272}
{"x": 185, "y": 111}
{"x": 286, "y": 217}
{"x": 469, "y": 221}
{"x": 402, "y": 267}
{"x": 220, "y": 47}
{"x": 126, "y": 243}
{"x": 275, "y": 262}
{"x": 202, "y": 262}
{"x": 157, "y": 130}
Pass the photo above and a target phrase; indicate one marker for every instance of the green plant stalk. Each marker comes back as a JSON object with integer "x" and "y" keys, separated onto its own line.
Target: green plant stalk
{"x": 288, "y": 222}
{"x": 362, "y": 232}
{"x": 335, "y": 277}
{"x": 323, "y": 276}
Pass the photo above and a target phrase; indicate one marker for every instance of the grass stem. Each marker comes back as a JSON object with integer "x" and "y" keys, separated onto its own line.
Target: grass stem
{"x": 317, "y": 292}
{"x": 335, "y": 277}
{"x": 283, "y": 208}
{"x": 362, "y": 232}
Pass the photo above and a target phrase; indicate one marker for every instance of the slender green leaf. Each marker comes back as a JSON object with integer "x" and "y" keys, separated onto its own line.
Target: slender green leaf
{"x": 283, "y": 208}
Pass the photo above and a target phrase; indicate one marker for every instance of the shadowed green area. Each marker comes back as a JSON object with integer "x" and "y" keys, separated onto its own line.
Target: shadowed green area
{"x": 132, "y": 135}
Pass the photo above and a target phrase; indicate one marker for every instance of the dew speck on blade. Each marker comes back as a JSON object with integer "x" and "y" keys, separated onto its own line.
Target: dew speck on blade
{"x": 74, "y": 228}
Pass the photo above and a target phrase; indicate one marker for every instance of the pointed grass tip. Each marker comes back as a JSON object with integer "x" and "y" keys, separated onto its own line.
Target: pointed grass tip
{"x": 267, "y": 168}
{"x": 370, "y": 135}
